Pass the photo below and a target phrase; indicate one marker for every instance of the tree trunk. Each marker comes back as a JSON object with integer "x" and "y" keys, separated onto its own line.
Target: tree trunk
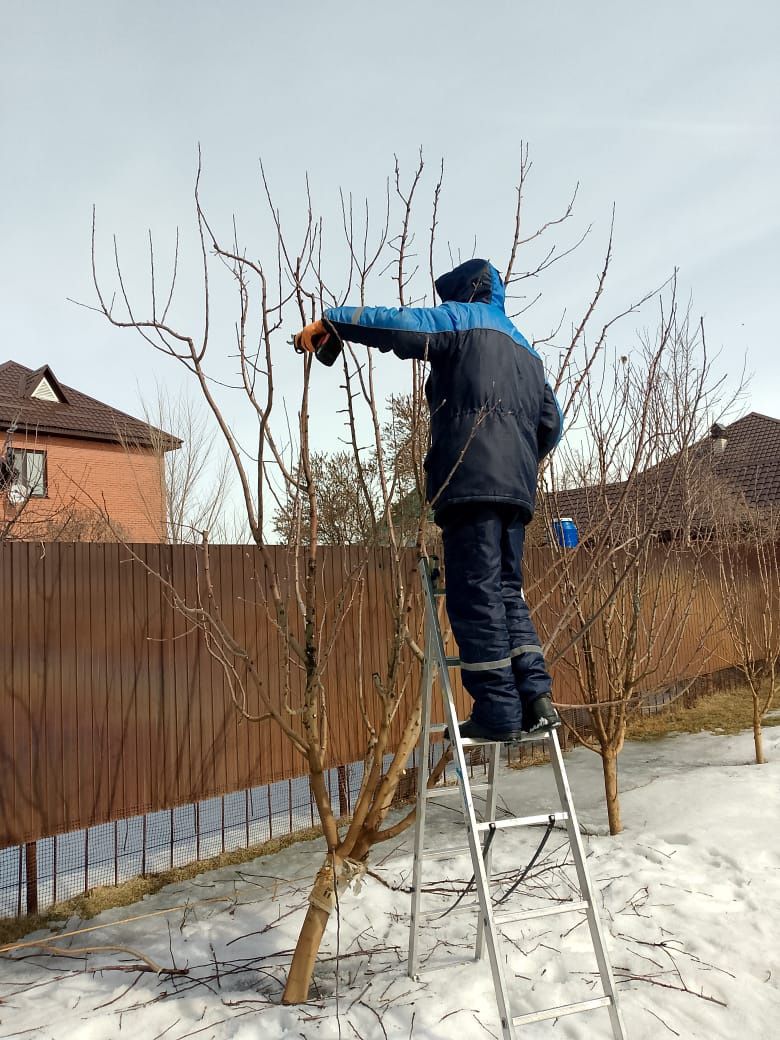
{"x": 334, "y": 874}
{"x": 610, "y": 767}
{"x": 758, "y": 733}
{"x": 305, "y": 956}
{"x": 321, "y": 901}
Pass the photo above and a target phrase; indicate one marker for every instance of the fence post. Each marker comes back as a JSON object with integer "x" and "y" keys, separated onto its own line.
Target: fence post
{"x": 341, "y": 774}
{"x": 20, "y": 882}
{"x": 31, "y": 870}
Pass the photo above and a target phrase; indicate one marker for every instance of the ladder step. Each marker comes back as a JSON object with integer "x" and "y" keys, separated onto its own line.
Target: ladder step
{"x": 564, "y": 1009}
{"x": 470, "y": 907}
{"x": 507, "y": 917}
{"x": 469, "y": 742}
{"x": 441, "y": 965}
{"x": 439, "y": 727}
{"x": 440, "y": 792}
{"x": 524, "y": 738}
{"x": 462, "y": 850}
{"x": 522, "y": 821}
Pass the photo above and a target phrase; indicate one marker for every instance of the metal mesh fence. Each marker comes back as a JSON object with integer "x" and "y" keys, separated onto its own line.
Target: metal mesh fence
{"x": 50, "y": 870}
{"x": 66, "y": 865}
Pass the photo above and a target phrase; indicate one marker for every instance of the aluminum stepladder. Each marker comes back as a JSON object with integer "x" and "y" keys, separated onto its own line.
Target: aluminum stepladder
{"x": 437, "y": 663}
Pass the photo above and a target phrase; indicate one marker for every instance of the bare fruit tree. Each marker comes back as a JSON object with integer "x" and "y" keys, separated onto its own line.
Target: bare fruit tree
{"x": 633, "y": 586}
{"x": 747, "y": 550}
{"x": 276, "y": 468}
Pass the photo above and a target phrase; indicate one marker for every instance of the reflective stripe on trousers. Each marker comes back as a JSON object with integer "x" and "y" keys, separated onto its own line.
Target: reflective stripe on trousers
{"x": 501, "y": 660}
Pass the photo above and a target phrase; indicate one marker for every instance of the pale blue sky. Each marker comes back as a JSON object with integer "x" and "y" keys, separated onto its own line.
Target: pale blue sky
{"x": 668, "y": 109}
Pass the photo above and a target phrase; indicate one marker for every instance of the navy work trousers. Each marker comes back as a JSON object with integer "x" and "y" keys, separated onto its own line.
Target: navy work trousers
{"x": 502, "y": 665}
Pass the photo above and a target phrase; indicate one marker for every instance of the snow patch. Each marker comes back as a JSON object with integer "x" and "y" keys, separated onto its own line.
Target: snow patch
{"x": 689, "y": 893}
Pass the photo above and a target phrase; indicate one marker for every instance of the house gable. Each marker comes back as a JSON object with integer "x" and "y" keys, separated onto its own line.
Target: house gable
{"x": 44, "y": 391}
{"x": 34, "y": 401}
{"x": 46, "y": 387}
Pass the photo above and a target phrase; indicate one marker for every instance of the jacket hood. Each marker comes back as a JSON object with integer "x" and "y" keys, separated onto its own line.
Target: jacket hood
{"x": 476, "y": 281}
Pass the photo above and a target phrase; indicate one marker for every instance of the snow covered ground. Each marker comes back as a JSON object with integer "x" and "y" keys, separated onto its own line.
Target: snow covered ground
{"x": 690, "y": 893}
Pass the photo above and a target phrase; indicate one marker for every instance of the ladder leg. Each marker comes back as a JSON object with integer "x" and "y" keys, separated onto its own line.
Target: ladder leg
{"x": 586, "y": 888}
{"x": 422, "y": 783}
{"x": 489, "y": 932}
{"x": 437, "y": 653}
{"x": 475, "y": 844}
{"x": 489, "y": 815}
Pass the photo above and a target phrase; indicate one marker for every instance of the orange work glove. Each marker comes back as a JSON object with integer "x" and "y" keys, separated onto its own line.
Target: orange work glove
{"x": 311, "y": 337}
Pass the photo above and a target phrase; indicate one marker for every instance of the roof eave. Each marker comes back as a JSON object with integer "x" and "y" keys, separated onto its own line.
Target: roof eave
{"x": 166, "y": 441}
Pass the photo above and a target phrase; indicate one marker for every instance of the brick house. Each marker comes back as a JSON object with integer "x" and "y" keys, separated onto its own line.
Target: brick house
{"x": 73, "y": 468}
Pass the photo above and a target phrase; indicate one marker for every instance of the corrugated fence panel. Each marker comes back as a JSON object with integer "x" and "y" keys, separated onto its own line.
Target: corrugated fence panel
{"x": 111, "y": 703}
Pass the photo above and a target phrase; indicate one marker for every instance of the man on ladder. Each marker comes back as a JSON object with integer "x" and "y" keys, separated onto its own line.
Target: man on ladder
{"x": 493, "y": 419}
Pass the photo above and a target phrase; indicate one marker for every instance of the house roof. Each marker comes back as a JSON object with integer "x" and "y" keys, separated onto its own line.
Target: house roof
{"x": 72, "y": 414}
{"x": 750, "y": 463}
{"x": 747, "y": 468}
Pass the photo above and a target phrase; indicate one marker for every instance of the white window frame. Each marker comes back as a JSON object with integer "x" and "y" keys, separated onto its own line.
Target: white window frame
{"x": 20, "y": 458}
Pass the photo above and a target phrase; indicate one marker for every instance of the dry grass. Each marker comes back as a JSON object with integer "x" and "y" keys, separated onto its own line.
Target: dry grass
{"x": 526, "y": 756}
{"x": 105, "y": 897}
{"x": 727, "y": 711}
{"x": 724, "y": 712}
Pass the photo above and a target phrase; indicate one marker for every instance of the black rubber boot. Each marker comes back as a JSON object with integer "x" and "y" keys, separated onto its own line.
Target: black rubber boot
{"x": 470, "y": 730}
{"x": 540, "y": 715}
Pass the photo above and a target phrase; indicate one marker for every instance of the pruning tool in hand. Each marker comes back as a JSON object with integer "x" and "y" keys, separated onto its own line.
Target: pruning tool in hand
{"x": 318, "y": 338}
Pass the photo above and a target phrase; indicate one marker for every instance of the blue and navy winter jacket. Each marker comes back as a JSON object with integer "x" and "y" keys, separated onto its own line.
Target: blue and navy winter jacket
{"x": 493, "y": 415}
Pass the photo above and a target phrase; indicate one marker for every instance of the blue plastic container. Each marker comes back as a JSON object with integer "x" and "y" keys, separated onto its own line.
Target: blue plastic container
{"x": 566, "y": 533}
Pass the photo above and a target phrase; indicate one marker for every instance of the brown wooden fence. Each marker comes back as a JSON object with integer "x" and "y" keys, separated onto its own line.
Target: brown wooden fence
{"x": 112, "y": 706}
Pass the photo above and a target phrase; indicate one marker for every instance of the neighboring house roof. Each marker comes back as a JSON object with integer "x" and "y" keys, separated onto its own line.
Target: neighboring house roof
{"x": 34, "y": 401}
{"x": 750, "y": 461}
{"x": 739, "y": 462}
